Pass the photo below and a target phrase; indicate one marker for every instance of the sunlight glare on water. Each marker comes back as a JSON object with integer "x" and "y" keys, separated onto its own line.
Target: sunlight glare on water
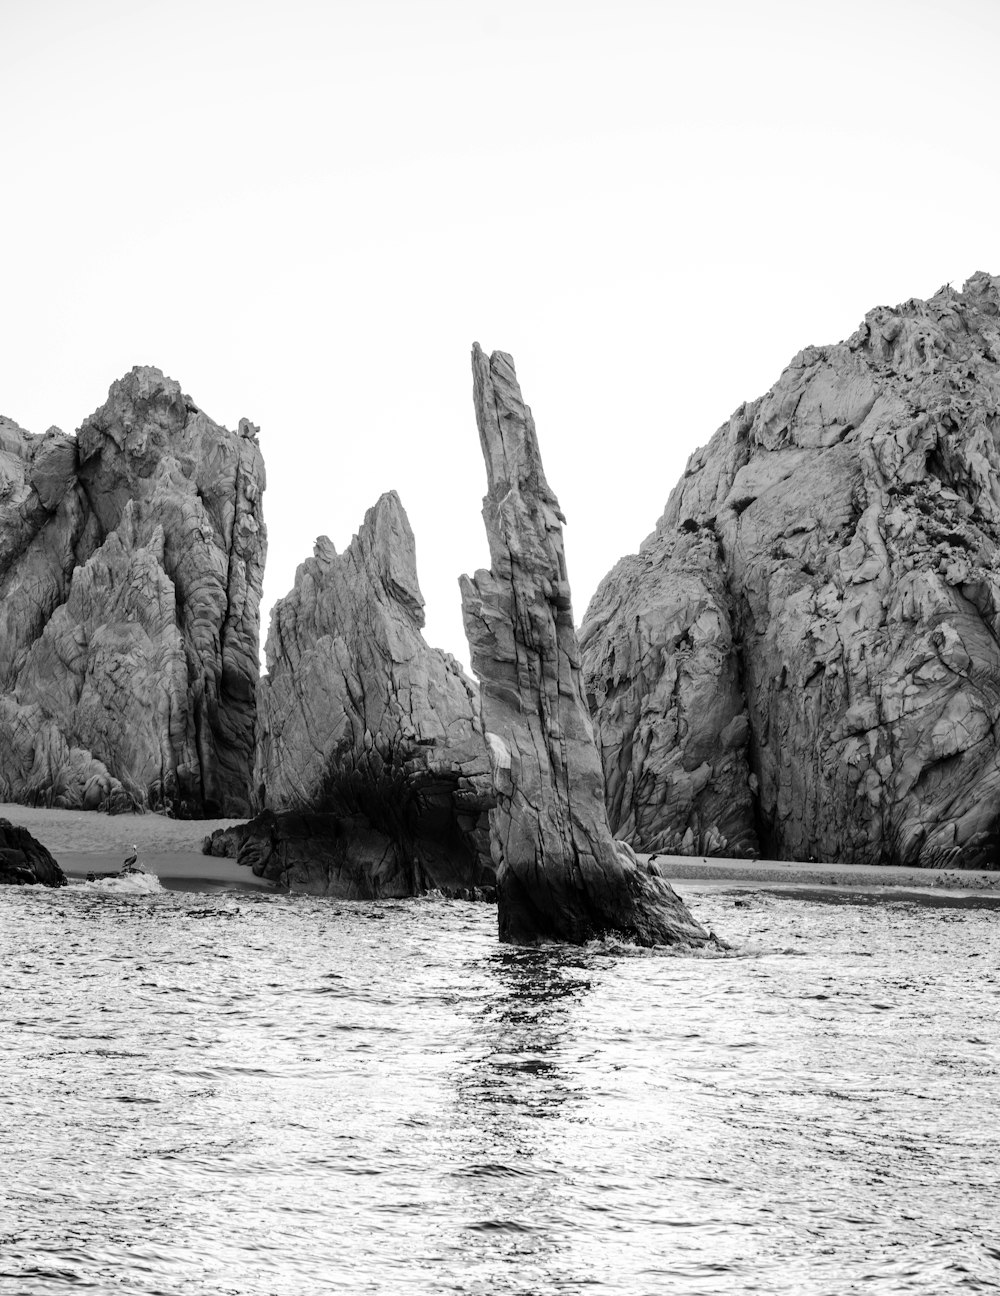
{"x": 254, "y": 1094}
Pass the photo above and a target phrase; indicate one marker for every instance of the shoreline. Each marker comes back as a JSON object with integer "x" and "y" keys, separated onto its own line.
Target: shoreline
{"x": 768, "y": 873}
{"x": 84, "y": 840}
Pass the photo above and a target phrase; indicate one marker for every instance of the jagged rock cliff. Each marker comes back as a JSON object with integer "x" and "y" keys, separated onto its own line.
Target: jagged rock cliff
{"x": 370, "y": 747}
{"x": 560, "y": 874}
{"x": 131, "y": 560}
{"x": 805, "y": 653}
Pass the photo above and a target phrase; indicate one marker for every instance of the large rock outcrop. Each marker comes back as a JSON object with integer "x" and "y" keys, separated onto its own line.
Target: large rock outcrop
{"x": 805, "y": 654}
{"x": 560, "y": 874}
{"x": 24, "y": 861}
{"x": 131, "y": 560}
{"x": 371, "y": 761}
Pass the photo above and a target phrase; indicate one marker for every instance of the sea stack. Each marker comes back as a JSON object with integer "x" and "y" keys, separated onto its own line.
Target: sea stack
{"x": 803, "y": 657}
{"x": 371, "y": 764}
{"x": 560, "y": 873}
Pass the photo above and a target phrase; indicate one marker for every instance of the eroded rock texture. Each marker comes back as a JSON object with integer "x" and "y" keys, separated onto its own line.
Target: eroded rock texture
{"x": 24, "y": 861}
{"x": 664, "y": 684}
{"x": 830, "y": 561}
{"x": 560, "y": 874}
{"x": 131, "y": 560}
{"x": 371, "y": 754}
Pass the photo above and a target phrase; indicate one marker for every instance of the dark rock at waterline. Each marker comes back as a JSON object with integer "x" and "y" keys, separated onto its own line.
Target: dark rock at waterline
{"x": 24, "y": 861}
{"x": 560, "y": 874}
{"x": 351, "y": 858}
{"x": 805, "y": 653}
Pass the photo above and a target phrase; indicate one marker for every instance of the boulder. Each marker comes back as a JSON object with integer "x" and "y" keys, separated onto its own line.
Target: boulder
{"x": 24, "y": 861}
{"x": 371, "y": 759}
{"x": 131, "y": 562}
{"x": 560, "y": 873}
{"x": 834, "y": 553}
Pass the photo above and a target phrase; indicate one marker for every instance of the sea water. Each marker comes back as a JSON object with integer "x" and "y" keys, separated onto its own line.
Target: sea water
{"x": 262, "y": 1095}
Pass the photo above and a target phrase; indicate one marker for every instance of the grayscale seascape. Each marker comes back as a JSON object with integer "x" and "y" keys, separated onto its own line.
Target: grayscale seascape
{"x": 241, "y": 1092}
{"x": 360, "y": 711}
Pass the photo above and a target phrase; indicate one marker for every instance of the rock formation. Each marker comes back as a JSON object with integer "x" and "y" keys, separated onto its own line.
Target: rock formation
{"x": 664, "y": 685}
{"x": 24, "y": 861}
{"x": 131, "y": 561}
{"x": 371, "y": 758}
{"x": 560, "y": 874}
{"x": 804, "y": 655}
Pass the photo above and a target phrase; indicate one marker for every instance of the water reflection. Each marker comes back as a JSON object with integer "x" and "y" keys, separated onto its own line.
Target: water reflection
{"x": 526, "y": 1037}
{"x": 518, "y": 1087}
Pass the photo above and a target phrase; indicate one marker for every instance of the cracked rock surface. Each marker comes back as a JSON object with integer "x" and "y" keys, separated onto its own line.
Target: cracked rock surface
{"x": 560, "y": 873}
{"x": 371, "y": 761}
{"x": 805, "y": 655}
{"x": 131, "y": 560}
{"x": 670, "y": 716}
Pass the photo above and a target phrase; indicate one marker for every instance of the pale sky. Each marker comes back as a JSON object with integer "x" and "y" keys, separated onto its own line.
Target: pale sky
{"x": 307, "y": 212}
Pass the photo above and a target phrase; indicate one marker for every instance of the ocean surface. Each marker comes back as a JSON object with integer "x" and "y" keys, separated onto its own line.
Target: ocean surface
{"x": 243, "y": 1093}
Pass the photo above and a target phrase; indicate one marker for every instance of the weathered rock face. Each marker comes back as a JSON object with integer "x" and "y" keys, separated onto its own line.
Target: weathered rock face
{"x": 370, "y": 752}
{"x": 24, "y": 861}
{"x": 664, "y": 684}
{"x": 560, "y": 874}
{"x": 131, "y": 562}
{"x": 845, "y": 532}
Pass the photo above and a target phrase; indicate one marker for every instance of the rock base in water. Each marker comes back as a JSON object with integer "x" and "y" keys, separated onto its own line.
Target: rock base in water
{"x": 560, "y": 874}
{"x": 24, "y": 861}
{"x": 369, "y": 741}
{"x": 349, "y": 858}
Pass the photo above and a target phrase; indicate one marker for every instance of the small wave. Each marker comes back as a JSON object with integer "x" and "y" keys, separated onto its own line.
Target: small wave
{"x": 499, "y": 1226}
{"x": 130, "y": 884}
{"x": 496, "y": 1170}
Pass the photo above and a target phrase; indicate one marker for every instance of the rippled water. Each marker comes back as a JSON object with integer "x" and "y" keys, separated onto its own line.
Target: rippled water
{"x": 255, "y": 1094}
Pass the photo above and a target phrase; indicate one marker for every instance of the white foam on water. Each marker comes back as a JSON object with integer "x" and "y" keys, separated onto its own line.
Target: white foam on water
{"x": 129, "y": 884}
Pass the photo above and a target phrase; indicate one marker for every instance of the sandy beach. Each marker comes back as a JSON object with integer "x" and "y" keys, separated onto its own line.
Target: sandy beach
{"x": 171, "y": 848}
{"x": 770, "y": 873}
{"x": 83, "y": 841}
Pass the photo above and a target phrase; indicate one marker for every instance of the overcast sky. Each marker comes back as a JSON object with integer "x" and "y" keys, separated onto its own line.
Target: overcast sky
{"x": 307, "y": 212}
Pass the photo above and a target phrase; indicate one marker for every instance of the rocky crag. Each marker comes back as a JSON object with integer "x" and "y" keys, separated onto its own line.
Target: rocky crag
{"x": 131, "y": 560}
{"x": 371, "y": 763}
{"x": 24, "y": 861}
{"x": 664, "y": 685}
{"x": 560, "y": 874}
{"x": 804, "y": 656}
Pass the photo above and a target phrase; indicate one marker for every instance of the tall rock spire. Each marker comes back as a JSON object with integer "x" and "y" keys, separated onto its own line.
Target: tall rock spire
{"x": 560, "y": 874}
